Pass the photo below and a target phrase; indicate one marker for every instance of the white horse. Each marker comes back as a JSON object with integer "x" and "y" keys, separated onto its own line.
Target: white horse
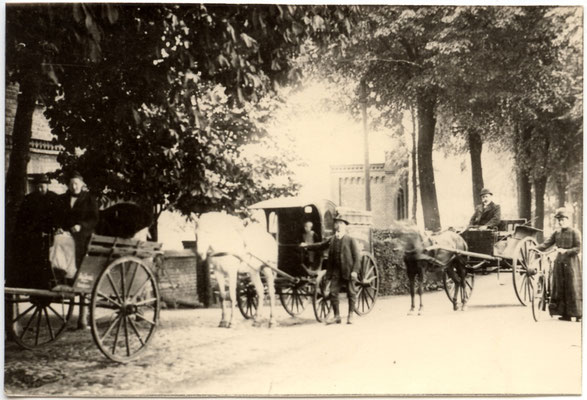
{"x": 229, "y": 248}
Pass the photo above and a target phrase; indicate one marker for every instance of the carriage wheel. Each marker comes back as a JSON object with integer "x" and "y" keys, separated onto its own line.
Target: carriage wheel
{"x": 523, "y": 275}
{"x": 321, "y": 301}
{"x": 124, "y": 309}
{"x": 540, "y": 299}
{"x": 367, "y": 286}
{"x": 246, "y": 298}
{"x": 450, "y": 287}
{"x": 294, "y": 297}
{"x": 35, "y": 321}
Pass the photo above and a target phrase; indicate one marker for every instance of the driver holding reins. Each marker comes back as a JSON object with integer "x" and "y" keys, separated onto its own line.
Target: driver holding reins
{"x": 487, "y": 214}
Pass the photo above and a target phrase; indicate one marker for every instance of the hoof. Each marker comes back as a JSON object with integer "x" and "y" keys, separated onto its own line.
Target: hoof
{"x": 271, "y": 324}
{"x": 420, "y": 313}
{"x": 228, "y": 325}
{"x": 455, "y": 307}
{"x": 256, "y": 324}
{"x": 411, "y": 312}
{"x": 463, "y": 307}
{"x": 222, "y": 324}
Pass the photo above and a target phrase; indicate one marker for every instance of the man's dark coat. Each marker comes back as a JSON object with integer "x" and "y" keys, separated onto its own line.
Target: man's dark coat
{"x": 84, "y": 213}
{"x": 349, "y": 255}
{"x": 490, "y": 216}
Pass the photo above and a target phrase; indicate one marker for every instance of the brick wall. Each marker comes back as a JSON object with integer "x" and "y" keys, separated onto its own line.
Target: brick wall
{"x": 178, "y": 278}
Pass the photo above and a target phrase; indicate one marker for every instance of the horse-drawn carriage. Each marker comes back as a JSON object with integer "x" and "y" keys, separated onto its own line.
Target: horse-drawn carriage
{"x": 297, "y": 283}
{"x": 507, "y": 248}
{"x": 115, "y": 280}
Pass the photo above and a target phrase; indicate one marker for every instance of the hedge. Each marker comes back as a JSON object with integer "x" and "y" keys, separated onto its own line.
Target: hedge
{"x": 393, "y": 278}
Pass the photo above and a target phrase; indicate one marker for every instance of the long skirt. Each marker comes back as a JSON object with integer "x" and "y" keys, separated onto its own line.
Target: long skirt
{"x": 567, "y": 291}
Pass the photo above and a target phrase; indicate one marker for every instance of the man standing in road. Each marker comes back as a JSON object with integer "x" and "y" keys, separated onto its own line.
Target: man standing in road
{"x": 343, "y": 265}
{"x": 487, "y": 214}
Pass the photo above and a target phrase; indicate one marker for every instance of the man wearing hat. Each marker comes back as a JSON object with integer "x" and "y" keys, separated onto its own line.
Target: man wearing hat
{"x": 79, "y": 216}
{"x": 567, "y": 293}
{"x": 35, "y": 223}
{"x": 487, "y": 214}
{"x": 343, "y": 265}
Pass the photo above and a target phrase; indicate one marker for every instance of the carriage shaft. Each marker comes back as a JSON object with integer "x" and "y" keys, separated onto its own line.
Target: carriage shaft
{"x": 466, "y": 253}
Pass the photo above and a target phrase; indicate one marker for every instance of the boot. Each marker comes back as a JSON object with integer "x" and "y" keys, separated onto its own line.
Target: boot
{"x": 351, "y": 312}
{"x": 336, "y": 318}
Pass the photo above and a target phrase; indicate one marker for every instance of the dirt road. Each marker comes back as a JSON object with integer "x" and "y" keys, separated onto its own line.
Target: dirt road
{"x": 494, "y": 347}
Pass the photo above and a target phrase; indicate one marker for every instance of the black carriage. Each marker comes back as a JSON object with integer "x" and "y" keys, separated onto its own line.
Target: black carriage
{"x": 297, "y": 283}
{"x": 505, "y": 249}
{"x": 115, "y": 280}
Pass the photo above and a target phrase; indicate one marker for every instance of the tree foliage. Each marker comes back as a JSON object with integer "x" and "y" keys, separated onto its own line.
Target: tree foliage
{"x": 161, "y": 112}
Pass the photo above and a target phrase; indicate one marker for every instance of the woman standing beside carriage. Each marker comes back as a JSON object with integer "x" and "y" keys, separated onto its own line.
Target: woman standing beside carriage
{"x": 567, "y": 295}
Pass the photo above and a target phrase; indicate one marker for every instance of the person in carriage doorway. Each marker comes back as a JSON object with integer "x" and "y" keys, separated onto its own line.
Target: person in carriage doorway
{"x": 343, "y": 265}
{"x": 309, "y": 237}
{"x": 487, "y": 214}
{"x": 79, "y": 216}
{"x": 34, "y": 227}
{"x": 567, "y": 293}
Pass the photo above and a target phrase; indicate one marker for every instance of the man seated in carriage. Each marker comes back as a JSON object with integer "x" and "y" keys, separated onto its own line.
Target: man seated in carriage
{"x": 488, "y": 214}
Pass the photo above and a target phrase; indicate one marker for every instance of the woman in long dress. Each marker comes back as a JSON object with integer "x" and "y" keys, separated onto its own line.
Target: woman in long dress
{"x": 566, "y": 296}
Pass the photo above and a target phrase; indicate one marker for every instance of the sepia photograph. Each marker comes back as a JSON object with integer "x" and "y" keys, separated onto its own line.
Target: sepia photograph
{"x": 292, "y": 200}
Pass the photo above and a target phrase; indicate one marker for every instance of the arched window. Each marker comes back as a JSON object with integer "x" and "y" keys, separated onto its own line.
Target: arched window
{"x": 400, "y": 202}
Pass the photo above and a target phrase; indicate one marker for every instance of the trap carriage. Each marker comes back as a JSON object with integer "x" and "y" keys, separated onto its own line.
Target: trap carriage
{"x": 506, "y": 249}
{"x": 114, "y": 280}
{"x": 298, "y": 284}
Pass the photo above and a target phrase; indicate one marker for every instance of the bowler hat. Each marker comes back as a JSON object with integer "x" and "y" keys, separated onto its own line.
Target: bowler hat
{"x": 340, "y": 217}
{"x": 41, "y": 178}
{"x": 76, "y": 175}
{"x": 561, "y": 213}
{"x": 485, "y": 191}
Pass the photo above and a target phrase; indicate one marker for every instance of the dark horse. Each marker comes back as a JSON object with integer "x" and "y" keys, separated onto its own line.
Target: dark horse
{"x": 421, "y": 250}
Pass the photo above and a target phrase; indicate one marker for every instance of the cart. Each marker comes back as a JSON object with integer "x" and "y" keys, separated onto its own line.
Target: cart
{"x": 506, "y": 249}
{"x": 298, "y": 284}
{"x": 115, "y": 280}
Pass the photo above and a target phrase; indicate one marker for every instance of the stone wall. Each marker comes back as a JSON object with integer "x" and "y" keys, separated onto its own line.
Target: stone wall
{"x": 177, "y": 275}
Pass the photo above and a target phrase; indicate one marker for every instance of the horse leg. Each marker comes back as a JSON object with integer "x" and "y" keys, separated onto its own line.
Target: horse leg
{"x": 256, "y": 279}
{"x": 222, "y": 291}
{"x": 411, "y": 277}
{"x": 232, "y": 281}
{"x": 453, "y": 275}
{"x": 420, "y": 288}
{"x": 463, "y": 286}
{"x": 270, "y": 278}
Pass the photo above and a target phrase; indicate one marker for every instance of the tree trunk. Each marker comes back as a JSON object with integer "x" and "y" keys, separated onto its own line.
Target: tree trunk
{"x": 426, "y": 126}
{"x": 475, "y": 149}
{"x": 524, "y": 194}
{"x": 539, "y": 191}
{"x": 561, "y": 191}
{"x": 16, "y": 176}
{"x": 414, "y": 168}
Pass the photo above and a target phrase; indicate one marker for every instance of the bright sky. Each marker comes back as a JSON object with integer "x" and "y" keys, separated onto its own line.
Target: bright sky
{"x": 323, "y": 138}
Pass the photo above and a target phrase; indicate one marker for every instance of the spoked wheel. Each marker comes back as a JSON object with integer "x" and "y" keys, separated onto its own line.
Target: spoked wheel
{"x": 367, "y": 285}
{"x": 450, "y": 287}
{"x": 540, "y": 300}
{"x": 321, "y": 300}
{"x": 294, "y": 297}
{"x": 124, "y": 309}
{"x": 246, "y": 298}
{"x": 35, "y": 321}
{"x": 523, "y": 273}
